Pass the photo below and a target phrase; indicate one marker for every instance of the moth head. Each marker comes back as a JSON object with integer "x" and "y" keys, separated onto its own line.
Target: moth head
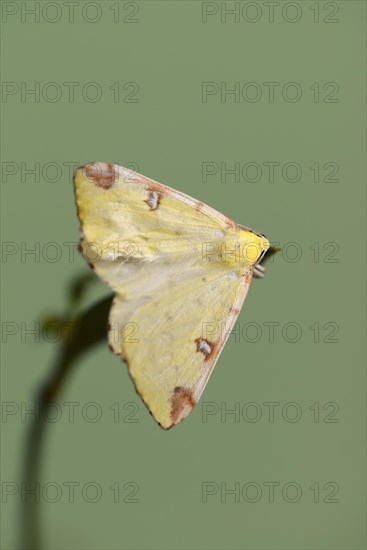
{"x": 254, "y": 246}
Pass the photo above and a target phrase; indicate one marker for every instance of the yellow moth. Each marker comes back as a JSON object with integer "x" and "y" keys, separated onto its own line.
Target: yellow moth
{"x": 178, "y": 268}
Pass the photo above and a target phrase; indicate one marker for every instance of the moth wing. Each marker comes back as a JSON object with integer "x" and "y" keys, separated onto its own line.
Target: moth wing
{"x": 172, "y": 340}
{"x": 128, "y": 219}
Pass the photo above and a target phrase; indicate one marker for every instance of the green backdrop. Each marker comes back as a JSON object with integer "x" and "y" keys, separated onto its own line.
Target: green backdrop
{"x": 256, "y": 109}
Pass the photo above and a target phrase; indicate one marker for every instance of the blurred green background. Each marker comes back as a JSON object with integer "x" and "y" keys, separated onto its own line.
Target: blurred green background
{"x": 140, "y": 74}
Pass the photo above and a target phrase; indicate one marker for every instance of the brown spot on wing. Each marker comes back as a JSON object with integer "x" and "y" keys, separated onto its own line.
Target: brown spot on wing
{"x": 153, "y": 200}
{"x": 104, "y": 175}
{"x": 248, "y": 277}
{"x": 158, "y": 187}
{"x": 230, "y": 223}
{"x": 182, "y": 399}
{"x": 208, "y": 349}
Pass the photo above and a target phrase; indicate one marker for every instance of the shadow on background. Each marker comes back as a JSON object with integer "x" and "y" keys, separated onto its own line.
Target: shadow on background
{"x": 88, "y": 328}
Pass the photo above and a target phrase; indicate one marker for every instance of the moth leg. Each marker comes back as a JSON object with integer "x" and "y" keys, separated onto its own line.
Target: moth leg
{"x": 259, "y": 271}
